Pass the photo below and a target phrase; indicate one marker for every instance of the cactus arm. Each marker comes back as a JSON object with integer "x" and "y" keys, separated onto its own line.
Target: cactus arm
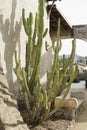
{"x": 25, "y": 22}
{"x": 46, "y": 106}
{"x": 38, "y": 94}
{"x": 39, "y": 47}
{"x": 25, "y": 83}
{"x": 72, "y": 53}
{"x": 45, "y": 113}
{"x": 35, "y": 29}
{"x": 29, "y": 46}
{"x": 17, "y": 69}
{"x": 21, "y": 75}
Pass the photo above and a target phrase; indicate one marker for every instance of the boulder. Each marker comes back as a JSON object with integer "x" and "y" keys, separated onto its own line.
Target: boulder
{"x": 10, "y": 117}
{"x": 71, "y": 103}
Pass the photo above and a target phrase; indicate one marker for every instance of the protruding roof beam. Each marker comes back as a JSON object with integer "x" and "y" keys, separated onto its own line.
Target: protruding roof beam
{"x": 80, "y": 31}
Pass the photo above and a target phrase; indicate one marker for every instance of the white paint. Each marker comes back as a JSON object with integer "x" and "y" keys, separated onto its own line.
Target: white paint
{"x": 12, "y": 36}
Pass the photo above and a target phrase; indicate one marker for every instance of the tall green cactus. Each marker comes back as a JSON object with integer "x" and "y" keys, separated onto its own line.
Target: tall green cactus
{"x": 58, "y": 77}
{"x": 39, "y": 101}
{"x": 36, "y": 100}
{"x": 38, "y": 31}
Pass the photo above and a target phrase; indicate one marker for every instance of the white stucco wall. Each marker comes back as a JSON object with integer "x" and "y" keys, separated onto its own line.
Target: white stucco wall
{"x": 12, "y": 36}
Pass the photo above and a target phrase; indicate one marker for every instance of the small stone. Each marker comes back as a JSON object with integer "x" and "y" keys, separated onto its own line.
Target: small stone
{"x": 71, "y": 102}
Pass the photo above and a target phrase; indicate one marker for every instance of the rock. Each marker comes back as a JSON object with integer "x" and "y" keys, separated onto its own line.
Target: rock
{"x": 39, "y": 127}
{"x": 53, "y": 125}
{"x": 10, "y": 118}
{"x": 82, "y": 108}
{"x": 78, "y": 95}
{"x": 71, "y": 103}
{"x": 65, "y": 113}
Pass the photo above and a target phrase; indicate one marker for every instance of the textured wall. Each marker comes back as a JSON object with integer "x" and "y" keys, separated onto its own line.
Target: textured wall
{"x": 12, "y": 36}
{"x": 10, "y": 118}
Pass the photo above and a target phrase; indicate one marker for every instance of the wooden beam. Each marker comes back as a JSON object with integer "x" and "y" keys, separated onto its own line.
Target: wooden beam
{"x": 80, "y": 31}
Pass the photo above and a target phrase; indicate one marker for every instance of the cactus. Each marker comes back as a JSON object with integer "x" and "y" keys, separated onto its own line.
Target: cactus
{"x": 58, "y": 77}
{"x": 35, "y": 99}
{"x": 39, "y": 101}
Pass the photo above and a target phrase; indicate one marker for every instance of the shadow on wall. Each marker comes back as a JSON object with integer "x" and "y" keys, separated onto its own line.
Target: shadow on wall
{"x": 10, "y": 31}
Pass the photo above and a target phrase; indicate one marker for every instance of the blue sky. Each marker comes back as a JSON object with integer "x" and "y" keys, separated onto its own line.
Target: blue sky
{"x": 75, "y": 12}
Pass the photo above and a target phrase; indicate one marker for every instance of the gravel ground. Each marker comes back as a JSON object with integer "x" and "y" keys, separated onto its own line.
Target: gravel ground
{"x": 54, "y": 125}
{"x": 58, "y": 124}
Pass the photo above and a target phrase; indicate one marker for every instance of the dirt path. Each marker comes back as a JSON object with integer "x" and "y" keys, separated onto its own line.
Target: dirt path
{"x": 81, "y": 123}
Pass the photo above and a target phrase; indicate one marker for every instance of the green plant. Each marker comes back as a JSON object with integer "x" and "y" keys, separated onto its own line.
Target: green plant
{"x": 62, "y": 74}
{"x": 39, "y": 101}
